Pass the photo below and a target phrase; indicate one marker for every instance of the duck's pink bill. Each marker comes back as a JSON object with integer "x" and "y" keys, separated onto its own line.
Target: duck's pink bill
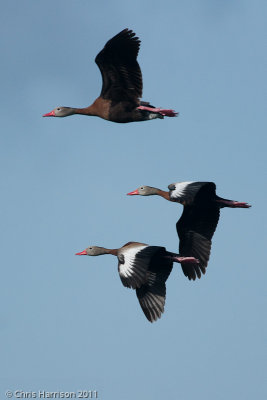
{"x": 134, "y": 192}
{"x": 50, "y": 114}
{"x": 82, "y": 253}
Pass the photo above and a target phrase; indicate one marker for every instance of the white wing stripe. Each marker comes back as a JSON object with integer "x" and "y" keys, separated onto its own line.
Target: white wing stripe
{"x": 185, "y": 191}
{"x": 133, "y": 270}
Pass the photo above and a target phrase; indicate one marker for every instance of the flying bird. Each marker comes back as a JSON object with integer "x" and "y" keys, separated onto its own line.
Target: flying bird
{"x": 199, "y": 219}
{"x": 146, "y": 269}
{"x": 122, "y": 85}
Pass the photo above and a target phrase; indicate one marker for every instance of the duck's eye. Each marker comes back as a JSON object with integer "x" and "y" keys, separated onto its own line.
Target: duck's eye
{"x": 141, "y": 188}
{"x": 58, "y": 108}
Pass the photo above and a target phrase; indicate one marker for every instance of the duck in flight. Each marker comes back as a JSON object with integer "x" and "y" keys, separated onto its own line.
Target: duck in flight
{"x": 146, "y": 269}
{"x": 199, "y": 219}
{"x": 122, "y": 85}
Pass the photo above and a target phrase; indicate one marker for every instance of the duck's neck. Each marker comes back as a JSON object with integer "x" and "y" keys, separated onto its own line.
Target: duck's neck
{"x": 163, "y": 194}
{"x": 114, "y": 252}
{"x": 99, "y": 108}
{"x": 91, "y": 110}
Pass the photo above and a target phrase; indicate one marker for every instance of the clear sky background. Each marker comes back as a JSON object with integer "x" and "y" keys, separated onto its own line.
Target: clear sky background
{"x": 66, "y": 322}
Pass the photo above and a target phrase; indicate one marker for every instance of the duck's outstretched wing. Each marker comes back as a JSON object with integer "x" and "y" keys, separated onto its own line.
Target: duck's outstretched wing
{"x": 121, "y": 74}
{"x": 195, "y": 229}
{"x": 152, "y": 295}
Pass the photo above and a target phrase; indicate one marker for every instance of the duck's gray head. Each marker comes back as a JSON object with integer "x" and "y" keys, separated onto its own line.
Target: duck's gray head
{"x": 60, "y": 112}
{"x": 144, "y": 191}
{"x": 92, "y": 251}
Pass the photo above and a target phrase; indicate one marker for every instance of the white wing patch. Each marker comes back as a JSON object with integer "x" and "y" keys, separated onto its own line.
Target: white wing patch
{"x": 185, "y": 192}
{"x": 133, "y": 271}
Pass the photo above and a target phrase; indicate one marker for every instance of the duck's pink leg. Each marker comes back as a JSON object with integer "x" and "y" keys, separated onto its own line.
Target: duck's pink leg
{"x": 185, "y": 260}
{"x": 233, "y": 204}
{"x": 162, "y": 111}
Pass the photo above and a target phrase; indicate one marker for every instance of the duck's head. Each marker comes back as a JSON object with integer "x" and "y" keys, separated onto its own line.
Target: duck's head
{"x": 144, "y": 191}
{"x": 92, "y": 251}
{"x": 60, "y": 112}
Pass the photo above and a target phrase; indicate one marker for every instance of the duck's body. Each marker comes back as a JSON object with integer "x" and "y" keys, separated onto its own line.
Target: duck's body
{"x": 119, "y": 100}
{"x": 199, "y": 219}
{"x": 144, "y": 268}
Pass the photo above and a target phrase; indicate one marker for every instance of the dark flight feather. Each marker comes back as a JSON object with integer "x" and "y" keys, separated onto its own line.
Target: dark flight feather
{"x": 121, "y": 74}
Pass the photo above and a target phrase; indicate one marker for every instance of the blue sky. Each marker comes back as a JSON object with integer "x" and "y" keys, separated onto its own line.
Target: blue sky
{"x": 67, "y": 323}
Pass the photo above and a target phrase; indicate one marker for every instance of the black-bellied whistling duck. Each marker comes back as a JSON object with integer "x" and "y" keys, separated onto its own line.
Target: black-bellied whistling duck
{"x": 144, "y": 268}
{"x": 199, "y": 219}
{"x": 119, "y": 100}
